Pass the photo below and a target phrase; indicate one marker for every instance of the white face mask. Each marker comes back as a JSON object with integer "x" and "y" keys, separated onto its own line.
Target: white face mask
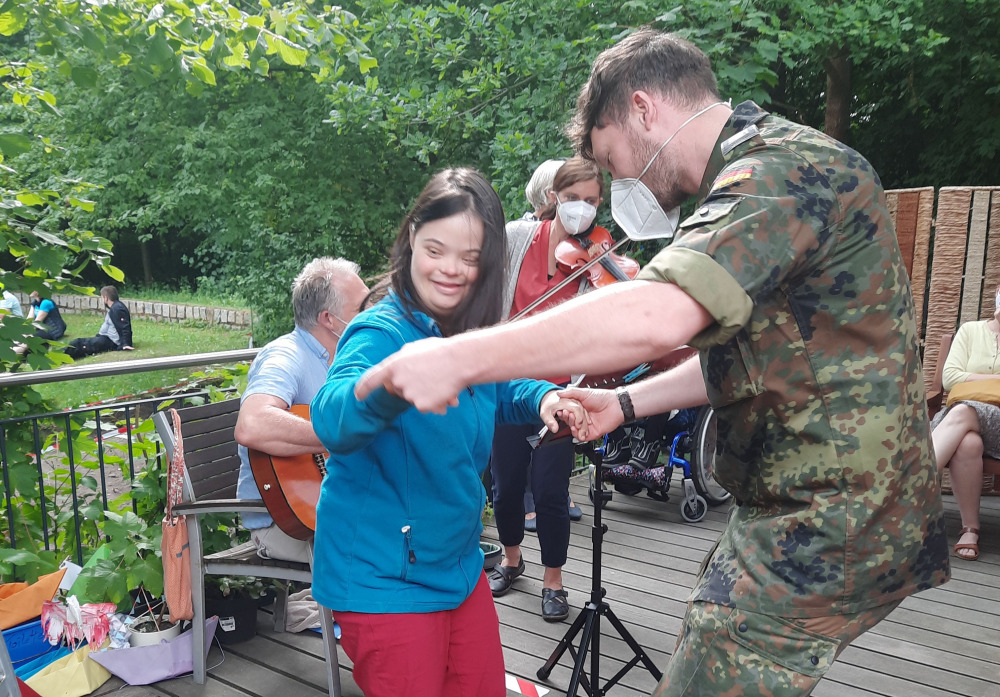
{"x": 635, "y": 208}
{"x": 997, "y": 300}
{"x": 575, "y": 216}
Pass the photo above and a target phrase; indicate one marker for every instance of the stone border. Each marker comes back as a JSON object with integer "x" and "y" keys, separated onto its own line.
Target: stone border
{"x": 146, "y": 309}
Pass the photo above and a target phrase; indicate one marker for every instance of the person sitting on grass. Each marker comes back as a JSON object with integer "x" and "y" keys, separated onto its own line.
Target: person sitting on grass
{"x": 9, "y": 304}
{"x": 115, "y": 333}
{"x": 46, "y": 312}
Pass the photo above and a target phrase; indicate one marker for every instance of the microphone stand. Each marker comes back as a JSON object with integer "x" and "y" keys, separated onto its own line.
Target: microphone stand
{"x": 589, "y": 620}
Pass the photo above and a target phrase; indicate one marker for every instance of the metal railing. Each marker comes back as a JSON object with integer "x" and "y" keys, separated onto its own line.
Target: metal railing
{"x": 49, "y": 446}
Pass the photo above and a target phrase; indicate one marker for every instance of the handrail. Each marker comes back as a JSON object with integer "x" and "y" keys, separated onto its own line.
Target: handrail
{"x": 80, "y": 372}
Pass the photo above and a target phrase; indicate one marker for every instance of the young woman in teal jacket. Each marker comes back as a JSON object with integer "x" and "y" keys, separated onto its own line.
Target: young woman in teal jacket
{"x": 397, "y": 554}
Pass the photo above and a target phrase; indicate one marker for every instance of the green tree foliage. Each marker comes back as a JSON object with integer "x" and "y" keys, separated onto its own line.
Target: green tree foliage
{"x": 239, "y": 184}
{"x": 151, "y": 44}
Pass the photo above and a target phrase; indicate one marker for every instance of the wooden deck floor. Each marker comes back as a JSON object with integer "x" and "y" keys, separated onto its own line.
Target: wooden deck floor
{"x": 940, "y": 643}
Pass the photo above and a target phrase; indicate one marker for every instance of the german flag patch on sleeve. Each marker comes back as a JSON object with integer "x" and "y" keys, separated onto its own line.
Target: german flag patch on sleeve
{"x": 732, "y": 177}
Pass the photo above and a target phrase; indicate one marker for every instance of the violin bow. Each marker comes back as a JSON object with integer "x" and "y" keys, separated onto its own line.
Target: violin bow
{"x": 569, "y": 279}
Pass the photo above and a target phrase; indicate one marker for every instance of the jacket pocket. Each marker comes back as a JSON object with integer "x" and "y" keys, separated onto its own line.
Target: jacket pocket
{"x": 409, "y": 554}
{"x": 783, "y": 642}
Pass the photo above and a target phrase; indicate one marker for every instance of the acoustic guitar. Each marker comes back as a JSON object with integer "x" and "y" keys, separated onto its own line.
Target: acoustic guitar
{"x": 289, "y": 486}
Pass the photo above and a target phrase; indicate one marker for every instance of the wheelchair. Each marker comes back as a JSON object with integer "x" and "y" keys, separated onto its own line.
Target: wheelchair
{"x": 688, "y": 442}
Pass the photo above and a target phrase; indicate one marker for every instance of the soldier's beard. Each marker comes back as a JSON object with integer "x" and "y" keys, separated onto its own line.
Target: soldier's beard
{"x": 663, "y": 177}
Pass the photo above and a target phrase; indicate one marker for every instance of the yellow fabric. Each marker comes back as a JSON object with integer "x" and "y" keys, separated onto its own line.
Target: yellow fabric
{"x": 20, "y": 602}
{"x": 74, "y": 675}
{"x": 977, "y": 391}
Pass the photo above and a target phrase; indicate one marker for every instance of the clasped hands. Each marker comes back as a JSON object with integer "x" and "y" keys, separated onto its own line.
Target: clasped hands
{"x": 428, "y": 377}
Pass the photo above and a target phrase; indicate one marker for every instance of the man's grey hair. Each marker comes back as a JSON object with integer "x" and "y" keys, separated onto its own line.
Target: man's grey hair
{"x": 318, "y": 287}
{"x": 540, "y": 184}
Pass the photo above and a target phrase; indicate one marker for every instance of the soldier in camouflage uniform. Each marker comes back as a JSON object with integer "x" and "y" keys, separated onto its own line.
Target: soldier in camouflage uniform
{"x": 789, "y": 281}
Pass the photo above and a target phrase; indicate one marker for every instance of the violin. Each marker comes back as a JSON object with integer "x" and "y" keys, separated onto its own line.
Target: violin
{"x": 576, "y": 251}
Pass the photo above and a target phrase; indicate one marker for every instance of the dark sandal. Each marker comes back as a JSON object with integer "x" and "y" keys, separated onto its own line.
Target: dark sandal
{"x": 501, "y": 578}
{"x": 974, "y": 546}
{"x": 555, "y": 607}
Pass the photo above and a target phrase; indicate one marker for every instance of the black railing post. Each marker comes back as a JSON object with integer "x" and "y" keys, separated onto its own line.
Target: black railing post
{"x": 72, "y": 480}
{"x": 8, "y": 502}
{"x": 41, "y": 480}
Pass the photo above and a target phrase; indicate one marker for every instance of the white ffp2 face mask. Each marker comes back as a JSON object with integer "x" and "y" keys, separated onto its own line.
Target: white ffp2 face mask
{"x": 635, "y": 208}
{"x": 575, "y": 216}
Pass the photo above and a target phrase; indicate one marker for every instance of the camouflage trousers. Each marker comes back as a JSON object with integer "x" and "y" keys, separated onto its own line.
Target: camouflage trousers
{"x": 728, "y": 652}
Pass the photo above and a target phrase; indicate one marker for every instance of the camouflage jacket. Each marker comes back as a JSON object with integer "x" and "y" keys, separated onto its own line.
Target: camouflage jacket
{"x": 813, "y": 370}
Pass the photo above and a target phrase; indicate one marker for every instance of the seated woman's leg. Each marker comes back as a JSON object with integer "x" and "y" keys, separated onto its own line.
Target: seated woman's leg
{"x": 967, "y": 485}
{"x": 960, "y": 420}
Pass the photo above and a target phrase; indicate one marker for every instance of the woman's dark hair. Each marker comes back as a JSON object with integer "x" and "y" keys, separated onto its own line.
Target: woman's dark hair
{"x": 575, "y": 170}
{"x": 452, "y": 192}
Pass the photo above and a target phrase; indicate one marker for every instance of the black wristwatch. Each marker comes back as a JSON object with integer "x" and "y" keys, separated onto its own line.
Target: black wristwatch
{"x": 626, "y": 404}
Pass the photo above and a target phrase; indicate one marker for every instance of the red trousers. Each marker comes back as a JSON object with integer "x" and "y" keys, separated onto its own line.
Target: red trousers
{"x": 451, "y": 653}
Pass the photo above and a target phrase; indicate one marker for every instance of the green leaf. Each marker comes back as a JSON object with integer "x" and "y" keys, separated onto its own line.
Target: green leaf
{"x": 82, "y": 203}
{"x": 29, "y": 198}
{"x": 50, "y": 238}
{"x": 13, "y": 144}
{"x": 13, "y": 21}
{"x": 367, "y": 63}
{"x": 201, "y": 71}
{"x": 290, "y": 52}
{"x": 112, "y": 271}
{"x": 18, "y": 556}
{"x": 91, "y": 40}
{"x": 84, "y": 76}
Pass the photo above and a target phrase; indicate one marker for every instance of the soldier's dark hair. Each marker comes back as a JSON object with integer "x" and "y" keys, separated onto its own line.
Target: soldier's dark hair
{"x": 649, "y": 60}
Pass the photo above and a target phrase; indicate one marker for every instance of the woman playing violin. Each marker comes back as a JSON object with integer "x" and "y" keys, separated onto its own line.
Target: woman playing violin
{"x": 577, "y": 191}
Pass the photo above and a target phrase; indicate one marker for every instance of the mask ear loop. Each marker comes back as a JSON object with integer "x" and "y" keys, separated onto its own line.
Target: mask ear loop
{"x": 674, "y": 134}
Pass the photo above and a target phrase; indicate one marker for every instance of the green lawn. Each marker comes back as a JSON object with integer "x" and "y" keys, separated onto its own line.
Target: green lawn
{"x": 151, "y": 340}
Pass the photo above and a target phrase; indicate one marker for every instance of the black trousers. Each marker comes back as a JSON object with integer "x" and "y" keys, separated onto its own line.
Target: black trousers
{"x": 550, "y": 468}
{"x": 78, "y": 348}
{"x": 50, "y": 334}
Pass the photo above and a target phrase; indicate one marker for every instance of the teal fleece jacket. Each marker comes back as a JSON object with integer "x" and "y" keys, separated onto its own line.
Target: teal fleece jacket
{"x": 400, "y": 511}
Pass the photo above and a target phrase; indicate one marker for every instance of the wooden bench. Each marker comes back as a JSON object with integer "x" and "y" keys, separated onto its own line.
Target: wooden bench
{"x": 212, "y": 466}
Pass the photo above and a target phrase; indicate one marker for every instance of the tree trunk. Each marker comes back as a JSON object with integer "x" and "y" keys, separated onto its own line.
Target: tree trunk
{"x": 147, "y": 265}
{"x": 838, "y": 94}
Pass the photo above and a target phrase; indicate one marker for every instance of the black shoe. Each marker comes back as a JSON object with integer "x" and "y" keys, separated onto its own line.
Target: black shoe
{"x": 618, "y": 450}
{"x": 501, "y": 578}
{"x": 555, "y": 607}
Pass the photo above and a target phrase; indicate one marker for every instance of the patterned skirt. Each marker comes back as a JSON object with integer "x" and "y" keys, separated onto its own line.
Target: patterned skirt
{"x": 989, "y": 424}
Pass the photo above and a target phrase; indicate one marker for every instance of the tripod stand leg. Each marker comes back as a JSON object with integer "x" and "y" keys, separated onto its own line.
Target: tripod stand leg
{"x": 564, "y": 643}
{"x": 591, "y": 625}
{"x": 633, "y": 644}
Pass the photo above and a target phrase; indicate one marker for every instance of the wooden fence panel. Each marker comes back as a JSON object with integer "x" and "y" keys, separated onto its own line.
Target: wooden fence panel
{"x": 951, "y": 231}
{"x": 912, "y": 212}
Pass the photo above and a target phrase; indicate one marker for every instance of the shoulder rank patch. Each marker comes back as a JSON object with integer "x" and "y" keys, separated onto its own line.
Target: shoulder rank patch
{"x": 732, "y": 178}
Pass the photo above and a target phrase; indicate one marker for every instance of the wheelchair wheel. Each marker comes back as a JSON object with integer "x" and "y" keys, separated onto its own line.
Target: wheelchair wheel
{"x": 692, "y": 513}
{"x": 703, "y": 459}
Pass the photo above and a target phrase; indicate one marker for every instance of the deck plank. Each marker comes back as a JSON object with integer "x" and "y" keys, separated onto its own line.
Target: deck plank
{"x": 942, "y": 642}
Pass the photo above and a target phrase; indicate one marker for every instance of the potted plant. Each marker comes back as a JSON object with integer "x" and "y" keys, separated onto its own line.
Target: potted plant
{"x": 492, "y": 552}
{"x": 150, "y": 619}
{"x": 235, "y": 600}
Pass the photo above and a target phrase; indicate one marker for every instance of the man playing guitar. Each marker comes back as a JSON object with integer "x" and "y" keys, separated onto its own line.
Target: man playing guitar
{"x": 326, "y": 294}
